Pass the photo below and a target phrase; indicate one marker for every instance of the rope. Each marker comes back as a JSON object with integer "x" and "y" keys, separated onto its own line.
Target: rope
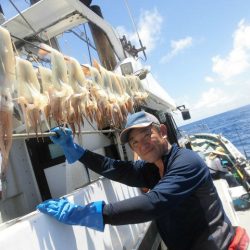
{"x": 81, "y": 38}
{"x": 88, "y": 43}
{"x": 135, "y": 28}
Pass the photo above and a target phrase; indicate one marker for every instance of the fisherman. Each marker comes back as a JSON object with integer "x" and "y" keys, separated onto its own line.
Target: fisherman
{"x": 219, "y": 167}
{"x": 182, "y": 199}
{"x": 214, "y": 162}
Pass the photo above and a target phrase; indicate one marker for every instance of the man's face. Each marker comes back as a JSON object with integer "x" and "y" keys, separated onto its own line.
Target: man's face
{"x": 148, "y": 143}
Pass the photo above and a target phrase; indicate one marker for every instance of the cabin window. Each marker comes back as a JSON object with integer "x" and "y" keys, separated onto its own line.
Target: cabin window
{"x": 55, "y": 151}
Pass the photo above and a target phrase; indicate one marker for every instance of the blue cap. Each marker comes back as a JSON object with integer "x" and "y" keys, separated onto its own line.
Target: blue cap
{"x": 140, "y": 119}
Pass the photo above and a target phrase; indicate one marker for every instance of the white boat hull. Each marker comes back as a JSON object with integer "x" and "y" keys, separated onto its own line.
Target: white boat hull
{"x": 38, "y": 231}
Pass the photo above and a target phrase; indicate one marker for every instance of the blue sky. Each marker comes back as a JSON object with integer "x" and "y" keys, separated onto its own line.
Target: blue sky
{"x": 198, "y": 50}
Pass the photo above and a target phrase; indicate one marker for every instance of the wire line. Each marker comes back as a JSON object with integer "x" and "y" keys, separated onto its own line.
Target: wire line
{"x": 19, "y": 12}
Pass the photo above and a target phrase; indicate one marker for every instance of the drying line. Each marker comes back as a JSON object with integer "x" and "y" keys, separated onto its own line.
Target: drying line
{"x": 47, "y": 134}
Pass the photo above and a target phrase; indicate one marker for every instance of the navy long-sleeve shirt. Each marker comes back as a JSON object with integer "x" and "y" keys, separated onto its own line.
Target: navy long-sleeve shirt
{"x": 184, "y": 202}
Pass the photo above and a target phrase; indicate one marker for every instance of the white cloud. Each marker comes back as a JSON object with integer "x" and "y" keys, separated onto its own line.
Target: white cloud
{"x": 212, "y": 102}
{"x": 177, "y": 47}
{"x": 181, "y": 44}
{"x": 214, "y": 97}
{"x": 231, "y": 71}
{"x": 217, "y": 100}
{"x": 238, "y": 60}
{"x": 242, "y": 36}
{"x": 149, "y": 29}
{"x": 209, "y": 79}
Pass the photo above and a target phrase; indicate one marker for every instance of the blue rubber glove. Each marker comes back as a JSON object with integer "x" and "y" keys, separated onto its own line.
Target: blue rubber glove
{"x": 68, "y": 213}
{"x": 72, "y": 151}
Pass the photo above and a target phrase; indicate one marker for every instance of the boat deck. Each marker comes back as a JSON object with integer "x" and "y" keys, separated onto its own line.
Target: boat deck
{"x": 237, "y": 218}
{"x": 244, "y": 220}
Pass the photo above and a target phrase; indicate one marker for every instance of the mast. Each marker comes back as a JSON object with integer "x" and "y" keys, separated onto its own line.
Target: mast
{"x": 104, "y": 49}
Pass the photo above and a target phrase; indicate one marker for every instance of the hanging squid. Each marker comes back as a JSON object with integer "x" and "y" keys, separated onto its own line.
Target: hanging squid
{"x": 135, "y": 88}
{"x": 30, "y": 98}
{"x": 79, "y": 100}
{"x": 60, "y": 91}
{"x": 113, "y": 107}
{"x": 98, "y": 96}
{"x": 7, "y": 79}
{"x": 45, "y": 76}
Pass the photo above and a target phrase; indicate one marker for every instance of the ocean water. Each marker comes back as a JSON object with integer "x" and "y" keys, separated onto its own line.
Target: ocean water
{"x": 233, "y": 124}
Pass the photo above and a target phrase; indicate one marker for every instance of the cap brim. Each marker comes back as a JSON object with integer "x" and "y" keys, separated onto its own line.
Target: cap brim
{"x": 124, "y": 134}
{"x": 211, "y": 157}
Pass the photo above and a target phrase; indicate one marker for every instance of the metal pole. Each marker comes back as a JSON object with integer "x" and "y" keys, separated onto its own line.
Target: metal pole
{"x": 47, "y": 134}
{"x": 2, "y": 17}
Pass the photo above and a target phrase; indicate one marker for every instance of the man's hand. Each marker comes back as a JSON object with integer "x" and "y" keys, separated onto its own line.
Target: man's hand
{"x": 63, "y": 137}
{"x": 71, "y": 214}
